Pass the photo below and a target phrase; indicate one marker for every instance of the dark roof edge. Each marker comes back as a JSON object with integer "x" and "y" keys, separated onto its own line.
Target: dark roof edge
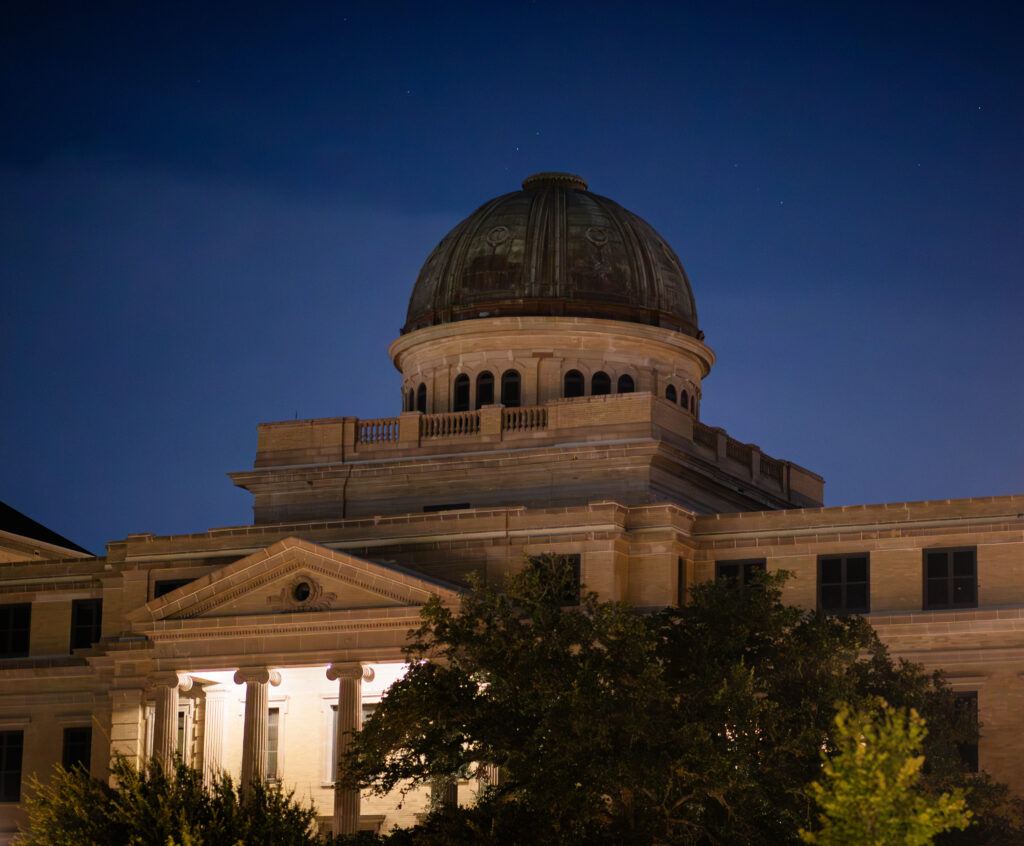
{"x": 16, "y": 523}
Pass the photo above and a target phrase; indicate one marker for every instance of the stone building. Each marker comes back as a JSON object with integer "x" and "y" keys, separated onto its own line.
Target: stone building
{"x": 552, "y": 371}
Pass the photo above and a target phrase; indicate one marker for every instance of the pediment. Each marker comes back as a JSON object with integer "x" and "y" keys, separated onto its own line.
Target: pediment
{"x": 294, "y": 576}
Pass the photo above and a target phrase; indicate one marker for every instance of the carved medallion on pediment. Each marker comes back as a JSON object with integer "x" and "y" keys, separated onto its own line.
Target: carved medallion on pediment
{"x": 302, "y": 593}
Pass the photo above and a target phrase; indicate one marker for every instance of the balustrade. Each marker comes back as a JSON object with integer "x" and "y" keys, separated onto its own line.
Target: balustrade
{"x": 454, "y": 425}
{"x": 380, "y": 431}
{"x": 524, "y": 419}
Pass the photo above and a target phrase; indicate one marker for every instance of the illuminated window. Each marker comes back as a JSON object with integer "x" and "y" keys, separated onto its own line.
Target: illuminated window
{"x": 273, "y": 739}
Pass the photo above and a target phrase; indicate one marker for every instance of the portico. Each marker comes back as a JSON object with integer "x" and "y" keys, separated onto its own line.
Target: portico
{"x": 294, "y": 627}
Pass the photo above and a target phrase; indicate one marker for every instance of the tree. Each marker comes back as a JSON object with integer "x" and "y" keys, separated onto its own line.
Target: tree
{"x": 871, "y": 794}
{"x": 149, "y": 808}
{"x": 699, "y": 725}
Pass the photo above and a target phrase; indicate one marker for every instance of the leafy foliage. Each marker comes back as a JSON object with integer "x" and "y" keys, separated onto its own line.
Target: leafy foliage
{"x": 700, "y": 725}
{"x": 148, "y": 808}
{"x": 871, "y": 791}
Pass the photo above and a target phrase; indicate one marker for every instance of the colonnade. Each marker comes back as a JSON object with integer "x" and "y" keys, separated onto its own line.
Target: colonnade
{"x": 258, "y": 681}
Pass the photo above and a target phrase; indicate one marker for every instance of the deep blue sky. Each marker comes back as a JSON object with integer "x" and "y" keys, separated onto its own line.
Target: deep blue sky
{"x": 212, "y": 216}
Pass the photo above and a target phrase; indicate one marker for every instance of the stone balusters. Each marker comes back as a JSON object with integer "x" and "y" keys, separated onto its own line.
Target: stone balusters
{"x": 350, "y": 687}
{"x": 254, "y": 732}
{"x": 165, "y": 729}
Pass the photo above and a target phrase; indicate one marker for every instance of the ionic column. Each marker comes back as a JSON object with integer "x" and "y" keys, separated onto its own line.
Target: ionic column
{"x": 444, "y": 794}
{"x": 490, "y": 774}
{"x": 257, "y": 713}
{"x": 350, "y": 698}
{"x": 214, "y": 708}
{"x": 165, "y": 729}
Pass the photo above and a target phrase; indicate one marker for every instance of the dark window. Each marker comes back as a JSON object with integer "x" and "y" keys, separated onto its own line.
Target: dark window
{"x": 684, "y": 399}
{"x": 11, "y": 745}
{"x": 626, "y": 384}
{"x": 967, "y": 708}
{"x": 165, "y": 586}
{"x": 77, "y": 748}
{"x": 273, "y": 736}
{"x": 843, "y": 584}
{"x": 950, "y": 578}
{"x": 600, "y": 384}
{"x": 86, "y": 619}
{"x": 410, "y": 400}
{"x": 739, "y": 573}
{"x": 15, "y": 623}
{"x": 681, "y": 582}
{"x": 445, "y": 506}
{"x": 670, "y": 393}
{"x": 571, "y": 592}
{"x": 485, "y": 389}
{"x": 421, "y": 398}
{"x": 510, "y": 389}
{"x": 572, "y": 384}
{"x": 693, "y": 403}
{"x": 460, "y": 395}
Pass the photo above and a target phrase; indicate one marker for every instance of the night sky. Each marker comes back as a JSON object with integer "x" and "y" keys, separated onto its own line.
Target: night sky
{"x": 212, "y": 215}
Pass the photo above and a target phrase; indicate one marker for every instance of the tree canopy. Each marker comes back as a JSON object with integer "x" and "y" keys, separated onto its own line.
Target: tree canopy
{"x": 870, "y": 789}
{"x": 694, "y": 725}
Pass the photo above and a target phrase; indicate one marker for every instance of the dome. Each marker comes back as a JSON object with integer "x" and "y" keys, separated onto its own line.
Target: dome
{"x": 553, "y": 248}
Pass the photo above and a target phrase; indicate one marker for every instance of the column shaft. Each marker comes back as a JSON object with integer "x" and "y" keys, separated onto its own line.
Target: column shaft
{"x": 254, "y": 733}
{"x": 165, "y": 730}
{"x": 214, "y": 708}
{"x": 346, "y": 800}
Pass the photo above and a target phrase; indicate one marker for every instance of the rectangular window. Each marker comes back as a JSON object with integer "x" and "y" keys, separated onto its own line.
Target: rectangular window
{"x": 86, "y": 621}
{"x": 15, "y": 623}
{"x": 366, "y": 712}
{"x": 164, "y": 586}
{"x": 739, "y": 573}
{"x": 843, "y": 584}
{"x": 950, "y": 578}
{"x": 681, "y": 582}
{"x": 77, "y": 748}
{"x": 967, "y": 707}
{"x": 571, "y": 593}
{"x": 11, "y": 746}
{"x": 273, "y": 736}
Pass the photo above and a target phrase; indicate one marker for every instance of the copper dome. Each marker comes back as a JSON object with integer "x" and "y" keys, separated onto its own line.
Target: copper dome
{"x": 553, "y": 248}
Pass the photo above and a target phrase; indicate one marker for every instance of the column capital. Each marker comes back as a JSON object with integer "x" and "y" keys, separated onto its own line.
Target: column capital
{"x": 349, "y": 670}
{"x": 260, "y": 675}
{"x": 182, "y": 681}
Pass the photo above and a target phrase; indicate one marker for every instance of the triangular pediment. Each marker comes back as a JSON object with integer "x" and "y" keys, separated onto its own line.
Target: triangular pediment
{"x": 295, "y": 576}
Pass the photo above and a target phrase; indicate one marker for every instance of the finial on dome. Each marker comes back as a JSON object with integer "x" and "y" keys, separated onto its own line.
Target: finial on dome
{"x": 555, "y": 179}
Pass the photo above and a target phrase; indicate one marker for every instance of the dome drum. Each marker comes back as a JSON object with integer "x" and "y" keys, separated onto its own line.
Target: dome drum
{"x": 541, "y": 351}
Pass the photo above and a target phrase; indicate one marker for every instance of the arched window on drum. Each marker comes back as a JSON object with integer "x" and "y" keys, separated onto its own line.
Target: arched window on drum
{"x": 485, "y": 389}
{"x": 572, "y": 384}
{"x": 510, "y": 389}
{"x": 600, "y": 384}
{"x": 460, "y": 393}
{"x": 626, "y": 384}
{"x": 670, "y": 393}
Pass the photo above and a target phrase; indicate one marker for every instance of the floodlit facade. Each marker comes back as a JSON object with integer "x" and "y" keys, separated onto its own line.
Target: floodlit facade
{"x": 552, "y": 372}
